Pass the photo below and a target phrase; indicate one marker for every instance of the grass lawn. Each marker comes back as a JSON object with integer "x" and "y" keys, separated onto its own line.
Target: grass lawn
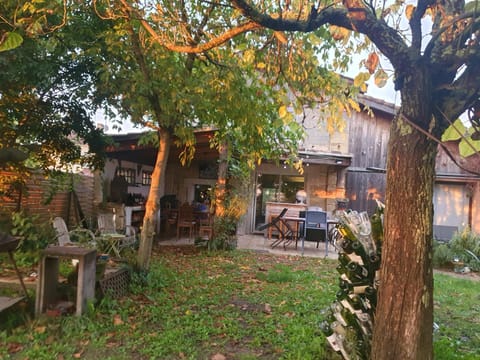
{"x": 241, "y": 304}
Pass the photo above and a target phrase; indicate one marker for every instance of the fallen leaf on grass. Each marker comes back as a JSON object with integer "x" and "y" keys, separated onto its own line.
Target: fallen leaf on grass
{"x": 111, "y": 344}
{"x": 117, "y": 320}
{"x": 218, "y": 356}
{"x": 79, "y": 354}
{"x": 40, "y": 329}
{"x": 14, "y": 348}
{"x": 267, "y": 309}
{"x": 49, "y": 340}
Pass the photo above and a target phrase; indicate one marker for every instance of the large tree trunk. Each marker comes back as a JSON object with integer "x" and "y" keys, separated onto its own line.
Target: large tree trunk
{"x": 152, "y": 206}
{"x": 404, "y": 315}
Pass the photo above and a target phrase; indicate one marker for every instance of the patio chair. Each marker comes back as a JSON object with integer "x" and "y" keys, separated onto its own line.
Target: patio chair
{"x": 77, "y": 236}
{"x": 285, "y": 232}
{"x": 205, "y": 229}
{"x": 316, "y": 226}
{"x": 186, "y": 221}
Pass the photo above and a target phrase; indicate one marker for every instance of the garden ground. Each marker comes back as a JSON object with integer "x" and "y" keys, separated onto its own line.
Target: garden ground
{"x": 237, "y": 305}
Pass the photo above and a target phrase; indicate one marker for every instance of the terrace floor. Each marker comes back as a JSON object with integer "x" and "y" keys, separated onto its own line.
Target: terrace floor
{"x": 261, "y": 243}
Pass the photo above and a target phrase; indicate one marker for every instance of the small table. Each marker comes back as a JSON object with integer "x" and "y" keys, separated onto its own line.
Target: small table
{"x": 48, "y": 271}
{"x": 112, "y": 243}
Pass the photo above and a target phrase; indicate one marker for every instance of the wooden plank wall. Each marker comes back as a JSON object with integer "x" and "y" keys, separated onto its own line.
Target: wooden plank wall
{"x": 363, "y": 189}
{"x": 368, "y": 143}
{"x": 368, "y": 140}
{"x": 33, "y": 201}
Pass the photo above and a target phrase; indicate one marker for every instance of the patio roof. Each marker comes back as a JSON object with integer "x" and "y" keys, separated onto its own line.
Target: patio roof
{"x": 126, "y": 148}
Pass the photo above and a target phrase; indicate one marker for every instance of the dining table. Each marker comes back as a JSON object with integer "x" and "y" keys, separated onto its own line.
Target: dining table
{"x": 297, "y": 223}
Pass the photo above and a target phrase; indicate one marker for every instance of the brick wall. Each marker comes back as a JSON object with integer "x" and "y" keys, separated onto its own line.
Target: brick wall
{"x": 33, "y": 201}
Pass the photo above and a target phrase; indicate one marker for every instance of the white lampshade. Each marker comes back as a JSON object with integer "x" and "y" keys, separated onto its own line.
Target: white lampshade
{"x": 301, "y": 196}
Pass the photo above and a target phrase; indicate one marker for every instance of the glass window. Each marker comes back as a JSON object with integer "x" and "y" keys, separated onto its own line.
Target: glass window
{"x": 146, "y": 177}
{"x": 275, "y": 188}
{"x": 128, "y": 174}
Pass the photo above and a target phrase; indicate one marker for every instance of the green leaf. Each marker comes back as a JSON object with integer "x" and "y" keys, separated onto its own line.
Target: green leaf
{"x": 468, "y": 147}
{"x": 454, "y": 131}
{"x": 472, "y": 6}
{"x": 381, "y": 78}
{"x": 12, "y": 41}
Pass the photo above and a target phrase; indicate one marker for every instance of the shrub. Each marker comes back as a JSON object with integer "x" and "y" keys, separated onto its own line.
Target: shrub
{"x": 442, "y": 255}
{"x": 464, "y": 246}
{"x": 34, "y": 235}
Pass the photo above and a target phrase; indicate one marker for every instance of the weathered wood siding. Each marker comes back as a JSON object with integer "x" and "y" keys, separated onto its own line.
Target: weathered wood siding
{"x": 368, "y": 142}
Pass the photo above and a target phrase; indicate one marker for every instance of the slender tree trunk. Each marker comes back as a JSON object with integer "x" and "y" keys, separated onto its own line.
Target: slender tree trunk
{"x": 152, "y": 206}
{"x": 404, "y": 316}
{"x": 221, "y": 188}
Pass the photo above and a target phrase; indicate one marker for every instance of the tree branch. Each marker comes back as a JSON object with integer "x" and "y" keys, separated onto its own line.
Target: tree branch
{"x": 200, "y": 48}
{"x": 464, "y": 35}
{"x": 416, "y": 25}
{"x": 388, "y": 41}
{"x": 452, "y": 152}
{"x": 454, "y": 99}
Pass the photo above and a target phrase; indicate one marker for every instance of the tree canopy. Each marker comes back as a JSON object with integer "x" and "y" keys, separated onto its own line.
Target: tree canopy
{"x": 46, "y": 102}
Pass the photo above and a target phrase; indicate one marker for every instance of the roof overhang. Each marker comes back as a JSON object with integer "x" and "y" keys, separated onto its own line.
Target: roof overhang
{"x": 126, "y": 148}
{"x": 325, "y": 158}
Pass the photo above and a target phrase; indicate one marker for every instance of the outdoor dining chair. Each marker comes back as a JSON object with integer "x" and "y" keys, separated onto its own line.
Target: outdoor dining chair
{"x": 205, "y": 228}
{"x": 315, "y": 226}
{"x": 77, "y": 236}
{"x": 186, "y": 221}
{"x": 286, "y": 234}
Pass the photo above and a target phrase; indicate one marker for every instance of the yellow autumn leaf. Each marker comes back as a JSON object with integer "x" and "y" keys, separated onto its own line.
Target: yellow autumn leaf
{"x": 355, "y": 106}
{"x": 280, "y": 37}
{"x": 248, "y": 56}
{"x": 381, "y": 78}
{"x": 469, "y": 147}
{"x": 339, "y": 33}
{"x": 360, "y": 79}
{"x": 455, "y": 131}
{"x": 282, "y": 111}
{"x": 260, "y": 130}
{"x": 409, "y": 11}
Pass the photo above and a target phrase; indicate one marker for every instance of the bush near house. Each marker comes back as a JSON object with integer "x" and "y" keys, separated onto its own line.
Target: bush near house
{"x": 463, "y": 248}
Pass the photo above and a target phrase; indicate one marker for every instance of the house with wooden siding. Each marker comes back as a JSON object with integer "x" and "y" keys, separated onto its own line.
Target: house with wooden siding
{"x": 456, "y": 192}
{"x": 338, "y": 168}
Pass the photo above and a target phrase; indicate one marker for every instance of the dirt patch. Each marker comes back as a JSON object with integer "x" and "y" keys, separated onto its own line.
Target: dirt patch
{"x": 467, "y": 276}
{"x": 177, "y": 249}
